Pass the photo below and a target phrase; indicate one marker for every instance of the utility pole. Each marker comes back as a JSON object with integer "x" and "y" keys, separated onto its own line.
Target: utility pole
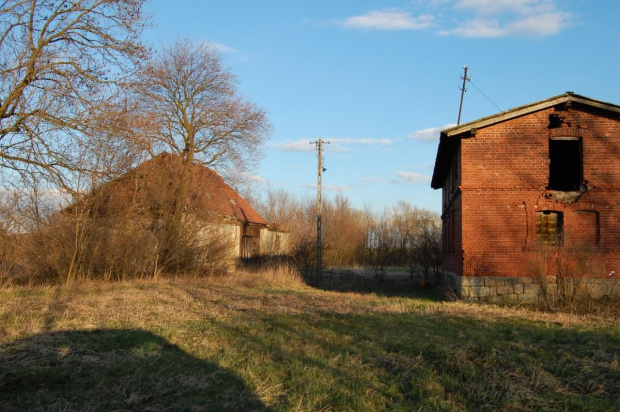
{"x": 463, "y": 90}
{"x": 319, "y": 210}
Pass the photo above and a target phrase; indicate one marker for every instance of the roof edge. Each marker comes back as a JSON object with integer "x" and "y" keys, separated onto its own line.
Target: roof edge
{"x": 449, "y": 137}
{"x": 529, "y": 108}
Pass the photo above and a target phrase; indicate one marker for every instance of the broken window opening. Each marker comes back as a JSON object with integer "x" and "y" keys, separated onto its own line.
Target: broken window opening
{"x": 555, "y": 121}
{"x": 549, "y": 227}
{"x": 565, "y": 164}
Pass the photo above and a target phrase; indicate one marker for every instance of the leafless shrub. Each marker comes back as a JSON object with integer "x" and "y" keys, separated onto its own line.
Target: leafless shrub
{"x": 344, "y": 232}
{"x": 192, "y": 246}
{"x": 100, "y": 236}
{"x": 564, "y": 275}
{"x": 381, "y": 247}
{"x": 402, "y": 236}
{"x": 304, "y": 254}
{"x": 429, "y": 247}
{"x": 417, "y": 234}
{"x": 77, "y": 249}
{"x": 9, "y": 238}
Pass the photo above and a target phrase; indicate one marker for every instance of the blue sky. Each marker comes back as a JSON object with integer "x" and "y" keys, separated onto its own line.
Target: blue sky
{"x": 379, "y": 79}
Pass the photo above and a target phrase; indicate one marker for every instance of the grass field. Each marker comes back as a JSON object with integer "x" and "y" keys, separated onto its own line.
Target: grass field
{"x": 235, "y": 346}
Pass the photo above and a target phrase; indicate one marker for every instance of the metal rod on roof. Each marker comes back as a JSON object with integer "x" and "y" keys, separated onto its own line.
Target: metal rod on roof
{"x": 463, "y": 90}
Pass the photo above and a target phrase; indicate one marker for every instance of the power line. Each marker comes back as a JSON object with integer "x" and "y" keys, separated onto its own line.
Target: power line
{"x": 542, "y": 122}
{"x": 482, "y": 93}
{"x": 463, "y": 90}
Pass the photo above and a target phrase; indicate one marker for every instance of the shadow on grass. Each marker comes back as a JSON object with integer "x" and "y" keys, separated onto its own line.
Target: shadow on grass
{"x": 114, "y": 370}
{"x": 430, "y": 362}
{"x": 392, "y": 286}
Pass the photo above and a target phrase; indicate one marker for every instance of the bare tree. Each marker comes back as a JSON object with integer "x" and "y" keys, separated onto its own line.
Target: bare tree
{"x": 60, "y": 64}
{"x": 279, "y": 206}
{"x": 381, "y": 245}
{"x": 406, "y": 222}
{"x": 297, "y": 216}
{"x": 190, "y": 105}
{"x": 195, "y": 112}
{"x": 429, "y": 245}
{"x": 344, "y": 232}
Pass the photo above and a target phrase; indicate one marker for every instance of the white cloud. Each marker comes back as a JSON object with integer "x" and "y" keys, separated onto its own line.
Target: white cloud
{"x": 430, "y": 135}
{"x": 302, "y": 145}
{"x": 413, "y": 177}
{"x": 540, "y": 25}
{"x": 335, "y": 144}
{"x": 340, "y": 144}
{"x": 224, "y": 49}
{"x": 249, "y": 177}
{"x": 57, "y": 195}
{"x": 237, "y": 178}
{"x": 433, "y": 3}
{"x": 231, "y": 52}
{"x": 491, "y": 7}
{"x": 333, "y": 188}
{"x": 476, "y": 28}
{"x": 502, "y": 18}
{"x": 330, "y": 188}
{"x": 532, "y": 26}
{"x": 389, "y": 19}
{"x": 476, "y": 18}
{"x": 374, "y": 180}
{"x": 361, "y": 141}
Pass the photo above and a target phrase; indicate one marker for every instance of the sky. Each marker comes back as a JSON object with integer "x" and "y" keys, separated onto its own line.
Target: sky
{"x": 380, "y": 79}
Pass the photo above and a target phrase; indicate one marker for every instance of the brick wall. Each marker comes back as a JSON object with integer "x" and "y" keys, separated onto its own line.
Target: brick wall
{"x": 503, "y": 179}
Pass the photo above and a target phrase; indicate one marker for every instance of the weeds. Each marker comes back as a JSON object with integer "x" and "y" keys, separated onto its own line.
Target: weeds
{"x": 569, "y": 280}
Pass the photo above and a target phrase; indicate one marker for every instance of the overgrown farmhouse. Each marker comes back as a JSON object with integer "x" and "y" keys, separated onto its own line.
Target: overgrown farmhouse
{"x": 536, "y": 182}
{"x": 149, "y": 190}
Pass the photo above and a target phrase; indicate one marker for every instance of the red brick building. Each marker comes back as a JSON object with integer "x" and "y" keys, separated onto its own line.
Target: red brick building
{"x": 544, "y": 176}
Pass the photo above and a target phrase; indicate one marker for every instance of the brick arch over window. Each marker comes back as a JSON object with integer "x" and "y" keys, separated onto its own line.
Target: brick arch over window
{"x": 573, "y": 225}
{"x": 539, "y": 227}
{"x": 551, "y": 205}
{"x": 575, "y": 132}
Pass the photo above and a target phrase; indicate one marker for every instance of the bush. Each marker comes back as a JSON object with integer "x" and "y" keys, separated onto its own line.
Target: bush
{"x": 566, "y": 276}
{"x": 69, "y": 250}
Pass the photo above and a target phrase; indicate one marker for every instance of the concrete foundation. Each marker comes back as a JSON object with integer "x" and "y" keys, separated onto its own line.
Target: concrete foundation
{"x": 515, "y": 290}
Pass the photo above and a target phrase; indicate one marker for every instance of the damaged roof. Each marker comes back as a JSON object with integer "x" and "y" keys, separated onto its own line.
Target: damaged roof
{"x": 450, "y": 138}
{"x": 147, "y": 187}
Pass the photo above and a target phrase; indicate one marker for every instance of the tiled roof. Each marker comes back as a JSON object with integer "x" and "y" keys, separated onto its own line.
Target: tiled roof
{"x": 147, "y": 187}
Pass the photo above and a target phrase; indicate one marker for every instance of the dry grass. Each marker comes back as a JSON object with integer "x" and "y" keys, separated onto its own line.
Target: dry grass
{"x": 279, "y": 275}
{"x": 265, "y": 341}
